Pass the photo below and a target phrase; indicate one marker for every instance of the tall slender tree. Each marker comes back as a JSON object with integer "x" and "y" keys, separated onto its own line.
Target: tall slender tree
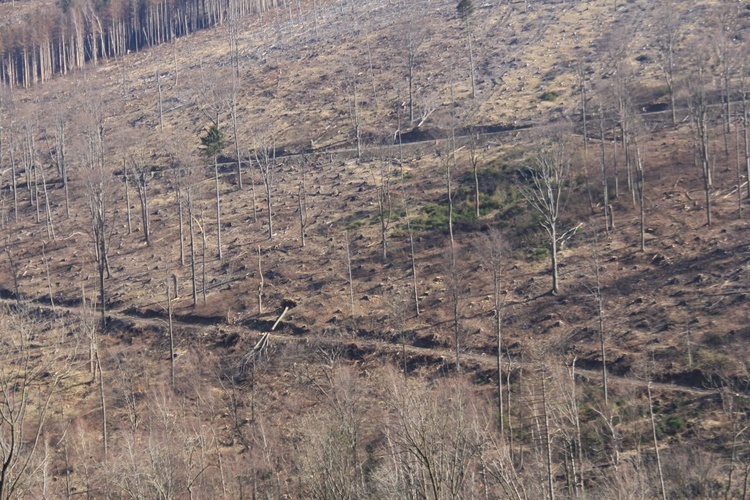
{"x": 213, "y": 144}
{"x": 544, "y": 185}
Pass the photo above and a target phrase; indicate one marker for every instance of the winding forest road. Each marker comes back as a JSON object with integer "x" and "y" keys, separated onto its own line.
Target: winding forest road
{"x": 352, "y": 347}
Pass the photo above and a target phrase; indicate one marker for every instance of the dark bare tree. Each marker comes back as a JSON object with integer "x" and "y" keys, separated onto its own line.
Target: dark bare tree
{"x": 493, "y": 252}
{"x": 264, "y": 153}
{"x": 413, "y": 37}
{"x": 465, "y": 9}
{"x": 302, "y": 203}
{"x": 544, "y": 185}
{"x": 669, "y": 36}
{"x": 700, "y": 113}
{"x": 412, "y": 254}
{"x": 141, "y": 171}
{"x": 28, "y": 382}
{"x": 382, "y": 181}
{"x": 353, "y": 106}
{"x": 98, "y": 180}
{"x": 213, "y": 144}
{"x": 744, "y": 82}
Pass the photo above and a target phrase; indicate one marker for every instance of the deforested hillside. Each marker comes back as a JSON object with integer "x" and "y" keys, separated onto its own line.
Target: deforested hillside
{"x": 42, "y": 39}
{"x": 375, "y": 250}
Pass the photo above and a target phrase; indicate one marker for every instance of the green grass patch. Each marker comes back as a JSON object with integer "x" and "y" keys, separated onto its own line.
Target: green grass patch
{"x": 671, "y": 426}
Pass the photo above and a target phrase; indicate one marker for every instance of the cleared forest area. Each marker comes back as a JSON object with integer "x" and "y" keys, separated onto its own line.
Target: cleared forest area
{"x": 375, "y": 250}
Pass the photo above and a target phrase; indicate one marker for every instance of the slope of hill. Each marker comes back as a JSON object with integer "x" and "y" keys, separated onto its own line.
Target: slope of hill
{"x": 351, "y": 140}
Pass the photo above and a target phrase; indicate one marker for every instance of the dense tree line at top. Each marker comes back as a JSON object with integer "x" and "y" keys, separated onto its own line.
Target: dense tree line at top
{"x": 55, "y": 41}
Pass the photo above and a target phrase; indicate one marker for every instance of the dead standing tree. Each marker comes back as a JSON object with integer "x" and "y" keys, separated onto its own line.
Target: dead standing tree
{"x": 302, "y": 203}
{"x": 28, "y": 382}
{"x": 413, "y": 36}
{"x": 543, "y": 184}
{"x": 188, "y": 179}
{"x": 353, "y": 104}
{"x": 58, "y": 153}
{"x": 265, "y": 159}
{"x": 465, "y": 10}
{"x": 744, "y": 73}
{"x": 98, "y": 183}
{"x": 213, "y": 144}
{"x": 700, "y": 110}
{"x": 667, "y": 41}
{"x": 492, "y": 248}
{"x": 142, "y": 174}
{"x": 382, "y": 181}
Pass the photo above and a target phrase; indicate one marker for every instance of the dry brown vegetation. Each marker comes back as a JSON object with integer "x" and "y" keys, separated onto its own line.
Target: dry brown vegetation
{"x": 357, "y": 393}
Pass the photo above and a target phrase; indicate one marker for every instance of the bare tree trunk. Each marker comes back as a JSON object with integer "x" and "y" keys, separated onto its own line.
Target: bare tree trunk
{"x": 544, "y": 192}
{"x": 656, "y": 442}
{"x": 733, "y": 459}
{"x": 127, "y": 195}
{"x": 63, "y": 161}
{"x": 260, "y": 282}
{"x": 448, "y": 175}
{"x": 35, "y": 168}
{"x": 603, "y": 159}
{"x": 408, "y": 223}
{"x": 47, "y": 209}
{"x": 171, "y": 334}
{"x": 14, "y": 271}
{"x": 411, "y": 63}
{"x": 471, "y": 64}
{"x": 103, "y": 403}
{"x": 218, "y": 208}
{"x": 600, "y": 310}
{"x": 265, "y": 157}
{"x": 474, "y": 157}
{"x": 641, "y": 195}
{"x": 236, "y": 133}
{"x": 203, "y": 258}
{"x": 269, "y": 210}
{"x": 499, "y": 333}
{"x": 699, "y": 114}
{"x": 580, "y": 483}
{"x": 142, "y": 186}
{"x": 354, "y": 114}
{"x": 349, "y": 270}
{"x": 547, "y": 438}
{"x": 746, "y": 138}
{"x": 614, "y": 162}
{"x": 455, "y": 298}
{"x": 102, "y": 264}
{"x": 555, "y": 276}
{"x": 384, "y": 205}
{"x": 191, "y": 220}
{"x": 413, "y": 263}
{"x": 49, "y": 281}
{"x": 510, "y": 400}
{"x": 580, "y": 73}
{"x": 181, "y": 223}
{"x": 15, "y": 185}
{"x": 739, "y": 168}
{"x": 161, "y": 108}
{"x": 302, "y": 208}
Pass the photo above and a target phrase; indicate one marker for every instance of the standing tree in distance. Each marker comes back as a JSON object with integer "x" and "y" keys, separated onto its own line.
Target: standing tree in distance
{"x": 213, "y": 144}
{"x": 465, "y": 9}
{"x": 543, "y": 184}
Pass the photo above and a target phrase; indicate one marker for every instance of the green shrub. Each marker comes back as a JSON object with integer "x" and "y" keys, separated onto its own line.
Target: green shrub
{"x": 672, "y": 425}
{"x": 549, "y": 96}
{"x": 431, "y": 217}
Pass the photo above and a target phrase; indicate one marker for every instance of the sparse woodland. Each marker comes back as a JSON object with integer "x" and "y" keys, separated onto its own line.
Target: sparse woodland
{"x": 338, "y": 249}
